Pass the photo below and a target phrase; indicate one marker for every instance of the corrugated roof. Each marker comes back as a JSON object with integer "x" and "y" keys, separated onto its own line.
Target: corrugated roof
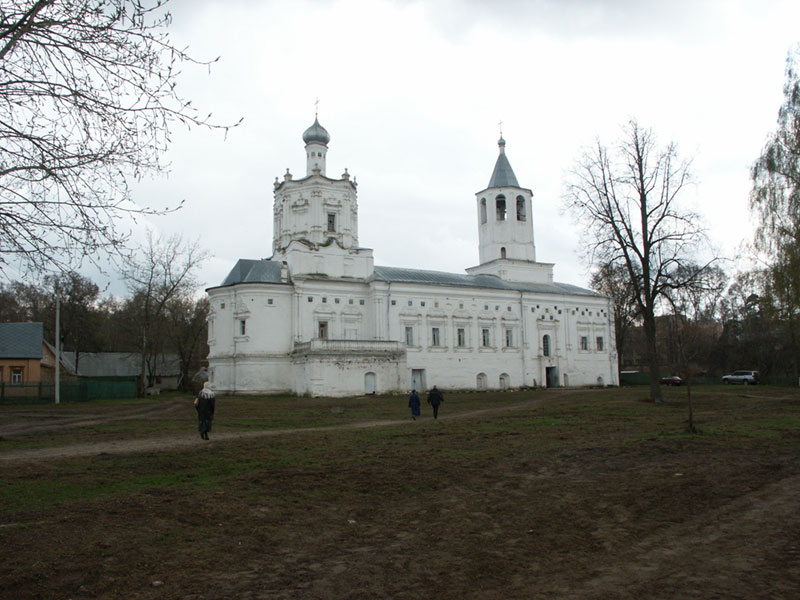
{"x": 21, "y": 340}
{"x": 400, "y": 275}
{"x": 121, "y": 364}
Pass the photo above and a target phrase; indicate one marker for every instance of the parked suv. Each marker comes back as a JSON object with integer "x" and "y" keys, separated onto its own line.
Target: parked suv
{"x": 743, "y": 377}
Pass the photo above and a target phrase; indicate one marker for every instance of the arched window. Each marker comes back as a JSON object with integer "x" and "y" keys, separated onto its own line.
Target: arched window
{"x": 483, "y": 210}
{"x": 521, "y": 216}
{"x": 502, "y": 252}
{"x": 546, "y": 345}
{"x": 500, "y": 202}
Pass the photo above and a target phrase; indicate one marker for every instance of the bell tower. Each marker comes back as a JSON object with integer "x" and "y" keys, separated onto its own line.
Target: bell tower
{"x": 505, "y": 227}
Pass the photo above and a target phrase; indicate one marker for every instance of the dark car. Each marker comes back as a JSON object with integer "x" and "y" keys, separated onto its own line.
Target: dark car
{"x": 743, "y": 377}
{"x": 671, "y": 380}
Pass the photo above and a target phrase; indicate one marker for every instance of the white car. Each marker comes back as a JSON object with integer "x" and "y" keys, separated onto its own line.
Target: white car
{"x": 743, "y": 377}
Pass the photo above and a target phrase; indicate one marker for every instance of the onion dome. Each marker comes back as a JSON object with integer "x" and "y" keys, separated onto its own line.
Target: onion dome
{"x": 316, "y": 134}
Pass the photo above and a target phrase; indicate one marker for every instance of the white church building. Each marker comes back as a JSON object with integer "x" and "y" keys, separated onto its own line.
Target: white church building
{"x": 319, "y": 318}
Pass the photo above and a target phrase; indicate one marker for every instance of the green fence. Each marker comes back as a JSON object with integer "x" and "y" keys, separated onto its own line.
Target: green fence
{"x": 71, "y": 391}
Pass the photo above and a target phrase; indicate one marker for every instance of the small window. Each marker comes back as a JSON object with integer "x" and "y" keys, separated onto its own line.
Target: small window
{"x": 361, "y": 302}
{"x": 336, "y": 301}
{"x": 311, "y": 298}
{"x": 324, "y": 300}
{"x": 394, "y": 302}
{"x": 222, "y": 306}
{"x": 409, "y": 336}
{"x": 509, "y": 338}
{"x": 411, "y": 303}
{"x": 242, "y": 327}
{"x": 350, "y": 301}
{"x": 600, "y": 343}
{"x": 546, "y": 345}
{"x": 584, "y": 342}
{"x": 485, "y": 337}
{"x": 323, "y": 330}
{"x": 462, "y": 337}
{"x": 503, "y": 252}
{"x": 422, "y": 303}
{"x": 434, "y": 336}
{"x": 16, "y": 375}
{"x": 269, "y": 300}
{"x": 331, "y": 221}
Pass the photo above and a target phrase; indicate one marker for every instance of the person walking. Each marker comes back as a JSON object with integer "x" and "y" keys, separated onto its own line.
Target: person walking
{"x": 204, "y": 403}
{"x": 413, "y": 404}
{"x": 435, "y": 398}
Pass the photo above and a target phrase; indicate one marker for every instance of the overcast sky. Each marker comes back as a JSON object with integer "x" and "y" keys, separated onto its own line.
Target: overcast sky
{"x": 411, "y": 93}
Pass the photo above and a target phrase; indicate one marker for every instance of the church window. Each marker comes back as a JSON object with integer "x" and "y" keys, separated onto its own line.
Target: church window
{"x": 411, "y": 303}
{"x": 331, "y": 221}
{"x": 461, "y": 306}
{"x": 409, "y": 336}
{"x": 242, "y": 327}
{"x": 324, "y": 300}
{"x": 434, "y": 336}
{"x": 500, "y": 203}
{"x": 323, "y": 330}
{"x": 350, "y": 301}
{"x": 336, "y": 301}
{"x": 269, "y": 300}
{"x": 394, "y": 302}
{"x": 486, "y": 338}
{"x": 222, "y": 306}
{"x": 462, "y": 337}
{"x": 600, "y": 343}
{"x": 483, "y": 210}
{"x": 546, "y": 345}
{"x": 361, "y": 302}
{"x": 422, "y": 303}
{"x": 509, "y": 338}
{"x": 521, "y": 216}
{"x": 311, "y": 298}
{"x": 502, "y": 252}
{"x": 584, "y": 342}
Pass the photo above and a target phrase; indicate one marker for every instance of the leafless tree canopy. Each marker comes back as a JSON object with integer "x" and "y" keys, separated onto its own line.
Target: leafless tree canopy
{"x": 87, "y": 100}
{"x": 627, "y": 198}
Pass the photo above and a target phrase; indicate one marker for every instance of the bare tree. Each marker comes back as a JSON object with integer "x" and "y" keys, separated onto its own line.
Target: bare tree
{"x": 87, "y": 101}
{"x": 165, "y": 271}
{"x": 627, "y": 199}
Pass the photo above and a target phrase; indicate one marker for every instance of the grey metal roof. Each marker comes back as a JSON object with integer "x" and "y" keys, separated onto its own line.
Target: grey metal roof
{"x": 503, "y": 174}
{"x": 267, "y": 271}
{"x": 400, "y": 275}
{"x": 21, "y": 340}
{"x": 316, "y": 134}
{"x": 254, "y": 271}
{"x": 121, "y": 364}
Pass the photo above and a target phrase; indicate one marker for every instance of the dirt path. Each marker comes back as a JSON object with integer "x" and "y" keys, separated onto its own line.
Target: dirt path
{"x": 189, "y": 440}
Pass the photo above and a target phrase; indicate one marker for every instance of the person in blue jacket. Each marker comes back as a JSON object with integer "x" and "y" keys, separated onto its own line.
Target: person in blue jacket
{"x": 413, "y": 404}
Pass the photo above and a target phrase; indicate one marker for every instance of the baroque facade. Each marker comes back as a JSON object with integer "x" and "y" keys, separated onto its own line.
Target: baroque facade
{"x": 319, "y": 318}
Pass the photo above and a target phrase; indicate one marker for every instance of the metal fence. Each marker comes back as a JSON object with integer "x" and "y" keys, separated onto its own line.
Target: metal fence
{"x": 71, "y": 391}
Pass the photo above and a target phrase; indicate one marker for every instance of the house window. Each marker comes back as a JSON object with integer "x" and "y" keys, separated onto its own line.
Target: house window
{"x": 521, "y": 208}
{"x": 409, "y": 336}
{"x": 323, "y": 330}
{"x": 16, "y": 375}
{"x": 600, "y": 343}
{"x": 462, "y": 337}
{"x": 501, "y": 208}
{"x": 584, "y": 342}
{"x": 546, "y": 345}
{"x": 331, "y": 221}
{"x": 434, "y": 336}
{"x": 242, "y": 326}
{"x": 509, "y": 338}
{"x": 485, "y": 337}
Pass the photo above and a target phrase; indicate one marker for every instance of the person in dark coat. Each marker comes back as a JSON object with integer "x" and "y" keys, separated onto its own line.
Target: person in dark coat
{"x": 435, "y": 398}
{"x": 413, "y": 404}
{"x": 205, "y": 410}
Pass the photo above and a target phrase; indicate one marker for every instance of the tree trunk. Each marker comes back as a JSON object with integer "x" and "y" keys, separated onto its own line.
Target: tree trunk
{"x": 652, "y": 358}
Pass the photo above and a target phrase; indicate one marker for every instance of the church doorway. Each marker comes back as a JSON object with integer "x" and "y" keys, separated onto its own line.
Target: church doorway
{"x": 418, "y": 379}
{"x": 551, "y": 376}
{"x": 369, "y": 383}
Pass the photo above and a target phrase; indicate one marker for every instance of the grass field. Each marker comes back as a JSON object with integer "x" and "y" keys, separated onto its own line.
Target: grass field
{"x": 538, "y": 494}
